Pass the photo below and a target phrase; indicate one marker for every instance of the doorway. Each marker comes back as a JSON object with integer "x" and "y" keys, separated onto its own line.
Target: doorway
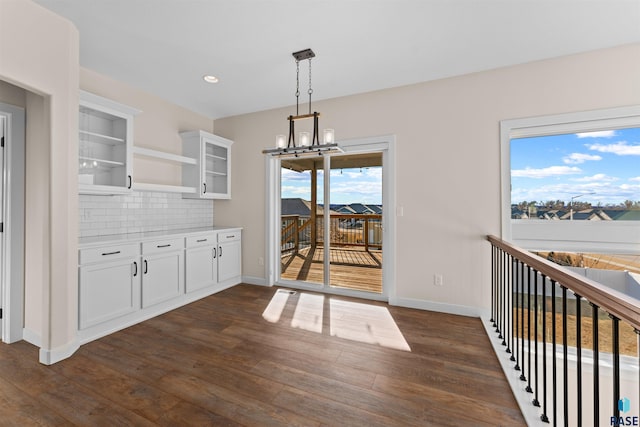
{"x": 328, "y": 229}
{"x": 12, "y": 167}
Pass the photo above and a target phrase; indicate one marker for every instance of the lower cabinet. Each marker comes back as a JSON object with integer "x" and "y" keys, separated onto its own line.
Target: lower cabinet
{"x": 229, "y": 255}
{"x": 213, "y": 259}
{"x": 109, "y": 284}
{"x": 201, "y": 267}
{"x": 123, "y": 284}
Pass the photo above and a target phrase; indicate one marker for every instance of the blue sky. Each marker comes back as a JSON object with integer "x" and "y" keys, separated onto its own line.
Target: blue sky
{"x": 558, "y": 167}
{"x": 347, "y": 185}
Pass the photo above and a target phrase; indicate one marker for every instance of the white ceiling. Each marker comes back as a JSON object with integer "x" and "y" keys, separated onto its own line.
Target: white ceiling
{"x": 165, "y": 46}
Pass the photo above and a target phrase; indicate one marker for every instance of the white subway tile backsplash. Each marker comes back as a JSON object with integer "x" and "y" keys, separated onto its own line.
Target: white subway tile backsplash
{"x": 141, "y": 212}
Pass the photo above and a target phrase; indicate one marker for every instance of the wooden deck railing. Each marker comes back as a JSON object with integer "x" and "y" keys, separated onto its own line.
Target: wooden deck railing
{"x": 535, "y": 306}
{"x": 346, "y": 230}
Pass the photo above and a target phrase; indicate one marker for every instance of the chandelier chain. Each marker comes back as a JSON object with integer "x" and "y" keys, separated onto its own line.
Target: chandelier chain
{"x": 310, "y": 91}
{"x": 297, "y": 86}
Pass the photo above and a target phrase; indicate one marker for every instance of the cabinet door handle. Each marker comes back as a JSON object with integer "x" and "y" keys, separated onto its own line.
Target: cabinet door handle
{"x": 130, "y": 181}
{"x": 231, "y": 237}
{"x": 215, "y": 253}
{"x": 145, "y": 267}
{"x": 135, "y": 272}
{"x": 201, "y": 240}
{"x": 205, "y": 187}
{"x": 220, "y": 251}
{"x": 163, "y": 246}
{"x": 110, "y": 253}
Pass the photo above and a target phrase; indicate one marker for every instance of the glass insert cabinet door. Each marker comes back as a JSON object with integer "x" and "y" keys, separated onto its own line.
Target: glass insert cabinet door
{"x": 105, "y": 141}
{"x": 211, "y": 173}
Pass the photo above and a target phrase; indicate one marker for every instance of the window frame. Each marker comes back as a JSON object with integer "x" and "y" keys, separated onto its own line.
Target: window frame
{"x": 566, "y": 123}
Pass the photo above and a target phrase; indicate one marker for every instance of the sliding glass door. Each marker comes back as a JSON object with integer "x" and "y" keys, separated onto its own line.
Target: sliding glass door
{"x": 331, "y": 211}
{"x": 301, "y": 220}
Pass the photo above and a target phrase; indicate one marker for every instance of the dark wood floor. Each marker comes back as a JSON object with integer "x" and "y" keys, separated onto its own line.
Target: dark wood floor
{"x": 220, "y": 362}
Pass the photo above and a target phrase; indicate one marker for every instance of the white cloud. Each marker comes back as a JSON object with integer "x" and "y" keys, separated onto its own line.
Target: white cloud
{"x": 636, "y": 179}
{"x": 546, "y": 172}
{"x": 578, "y": 158}
{"x": 289, "y": 175}
{"x": 621, "y": 148}
{"x": 298, "y": 191}
{"x": 599, "y": 177}
{"x": 597, "y": 134}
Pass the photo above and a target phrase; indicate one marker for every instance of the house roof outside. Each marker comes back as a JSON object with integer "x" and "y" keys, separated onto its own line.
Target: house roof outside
{"x": 594, "y": 214}
{"x": 299, "y": 206}
{"x": 360, "y": 208}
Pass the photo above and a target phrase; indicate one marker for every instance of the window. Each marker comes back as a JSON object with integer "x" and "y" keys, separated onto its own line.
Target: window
{"x": 565, "y": 175}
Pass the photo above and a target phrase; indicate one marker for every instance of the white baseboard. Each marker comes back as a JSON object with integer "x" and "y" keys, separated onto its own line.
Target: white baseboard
{"x": 49, "y": 357}
{"x": 31, "y": 337}
{"x": 251, "y": 280}
{"x": 461, "y": 310}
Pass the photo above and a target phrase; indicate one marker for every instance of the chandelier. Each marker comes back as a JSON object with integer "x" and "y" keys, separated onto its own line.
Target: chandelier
{"x": 307, "y": 145}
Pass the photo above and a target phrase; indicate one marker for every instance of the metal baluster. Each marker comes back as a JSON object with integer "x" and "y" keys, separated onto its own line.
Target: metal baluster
{"x": 638, "y": 353}
{"x": 509, "y": 307}
{"x": 579, "y": 354}
{"x": 518, "y": 307}
{"x": 615, "y": 336}
{"x": 535, "y": 401}
{"x": 554, "y": 367}
{"x": 544, "y": 417}
{"x": 523, "y": 377}
{"x": 504, "y": 297}
{"x": 493, "y": 284}
{"x": 565, "y": 372}
{"x": 528, "y": 388}
{"x": 596, "y": 366}
{"x": 498, "y": 288}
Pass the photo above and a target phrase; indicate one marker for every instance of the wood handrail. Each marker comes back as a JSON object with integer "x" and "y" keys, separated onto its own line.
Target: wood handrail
{"x": 622, "y": 306}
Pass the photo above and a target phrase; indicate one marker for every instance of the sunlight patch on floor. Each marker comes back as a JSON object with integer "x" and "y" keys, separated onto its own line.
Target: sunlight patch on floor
{"x": 308, "y": 313}
{"x": 355, "y": 321}
{"x": 366, "y": 323}
{"x": 276, "y": 306}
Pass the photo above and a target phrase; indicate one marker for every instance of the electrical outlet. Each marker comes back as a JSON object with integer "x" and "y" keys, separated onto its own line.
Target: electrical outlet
{"x": 437, "y": 280}
{"x": 261, "y": 261}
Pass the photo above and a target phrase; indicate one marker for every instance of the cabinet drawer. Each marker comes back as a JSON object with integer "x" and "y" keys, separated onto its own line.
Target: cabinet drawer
{"x": 164, "y": 245}
{"x": 201, "y": 240}
{"x": 229, "y": 236}
{"x": 107, "y": 253}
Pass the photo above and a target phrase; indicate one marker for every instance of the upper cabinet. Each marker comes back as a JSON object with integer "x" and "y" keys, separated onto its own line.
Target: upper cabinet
{"x": 211, "y": 175}
{"x": 105, "y": 145}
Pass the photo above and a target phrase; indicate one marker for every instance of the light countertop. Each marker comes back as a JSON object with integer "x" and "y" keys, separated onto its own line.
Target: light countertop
{"x": 85, "y": 242}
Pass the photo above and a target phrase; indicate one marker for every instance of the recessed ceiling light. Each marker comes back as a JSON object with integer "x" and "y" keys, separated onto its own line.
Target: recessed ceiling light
{"x": 210, "y": 79}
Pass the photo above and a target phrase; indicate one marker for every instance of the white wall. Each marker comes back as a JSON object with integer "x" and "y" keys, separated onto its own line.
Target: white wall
{"x": 448, "y": 160}
{"x": 14, "y": 95}
{"x": 39, "y": 52}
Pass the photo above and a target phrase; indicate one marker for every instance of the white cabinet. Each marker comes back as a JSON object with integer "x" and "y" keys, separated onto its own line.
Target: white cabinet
{"x": 213, "y": 259}
{"x": 124, "y": 280}
{"x": 229, "y": 255}
{"x": 105, "y": 141}
{"x": 201, "y": 263}
{"x": 162, "y": 271}
{"x": 211, "y": 175}
{"x": 109, "y": 283}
